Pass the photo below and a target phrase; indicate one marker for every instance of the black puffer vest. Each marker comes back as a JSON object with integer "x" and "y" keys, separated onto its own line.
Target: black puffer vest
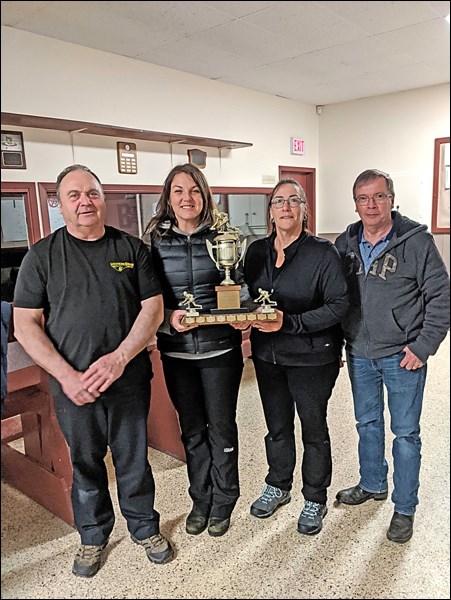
{"x": 183, "y": 264}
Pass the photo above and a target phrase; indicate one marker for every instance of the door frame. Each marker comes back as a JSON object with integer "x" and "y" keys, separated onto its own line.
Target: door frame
{"x": 28, "y": 189}
{"x": 306, "y": 176}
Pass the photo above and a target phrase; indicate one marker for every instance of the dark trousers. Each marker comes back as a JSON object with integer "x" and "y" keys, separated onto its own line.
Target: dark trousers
{"x": 120, "y": 422}
{"x": 205, "y": 394}
{"x": 308, "y": 389}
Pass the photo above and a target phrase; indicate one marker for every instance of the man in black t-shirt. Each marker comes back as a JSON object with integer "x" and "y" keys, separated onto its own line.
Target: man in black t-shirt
{"x": 95, "y": 289}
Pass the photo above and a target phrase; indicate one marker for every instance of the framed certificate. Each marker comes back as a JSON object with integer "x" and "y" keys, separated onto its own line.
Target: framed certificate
{"x": 12, "y": 150}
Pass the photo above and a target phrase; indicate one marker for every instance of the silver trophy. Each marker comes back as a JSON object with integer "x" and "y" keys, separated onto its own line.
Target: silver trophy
{"x": 226, "y": 253}
{"x": 228, "y": 250}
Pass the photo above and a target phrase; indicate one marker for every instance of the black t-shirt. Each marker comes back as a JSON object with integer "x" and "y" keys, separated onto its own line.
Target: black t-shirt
{"x": 91, "y": 293}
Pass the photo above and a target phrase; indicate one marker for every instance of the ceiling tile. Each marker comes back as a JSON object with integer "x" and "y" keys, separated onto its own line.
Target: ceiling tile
{"x": 315, "y": 52}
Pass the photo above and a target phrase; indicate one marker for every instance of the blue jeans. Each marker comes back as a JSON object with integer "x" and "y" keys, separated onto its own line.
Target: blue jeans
{"x": 405, "y": 400}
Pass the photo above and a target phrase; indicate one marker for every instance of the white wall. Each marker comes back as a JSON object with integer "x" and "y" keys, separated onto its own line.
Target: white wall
{"x": 394, "y": 133}
{"x": 43, "y": 76}
{"x": 46, "y": 77}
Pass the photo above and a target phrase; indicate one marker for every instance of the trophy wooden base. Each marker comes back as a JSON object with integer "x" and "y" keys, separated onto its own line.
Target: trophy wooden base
{"x": 224, "y": 318}
{"x": 228, "y": 311}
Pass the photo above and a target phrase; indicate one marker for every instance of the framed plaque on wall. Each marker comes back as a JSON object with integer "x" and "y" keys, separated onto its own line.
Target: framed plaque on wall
{"x": 12, "y": 148}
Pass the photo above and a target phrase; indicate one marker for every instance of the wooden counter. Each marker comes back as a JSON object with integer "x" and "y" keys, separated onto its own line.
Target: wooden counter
{"x": 43, "y": 471}
{"x": 163, "y": 429}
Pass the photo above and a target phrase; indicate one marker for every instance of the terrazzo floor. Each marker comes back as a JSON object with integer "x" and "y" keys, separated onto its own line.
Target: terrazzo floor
{"x": 350, "y": 558}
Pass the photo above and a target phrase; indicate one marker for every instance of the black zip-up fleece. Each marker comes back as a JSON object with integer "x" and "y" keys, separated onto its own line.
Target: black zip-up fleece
{"x": 404, "y": 298}
{"x": 183, "y": 264}
{"x": 310, "y": 289}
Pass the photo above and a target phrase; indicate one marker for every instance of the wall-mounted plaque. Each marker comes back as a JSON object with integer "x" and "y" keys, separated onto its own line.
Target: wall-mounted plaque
{"x": 198, "y": 158}
{"x": 12, "y": 150}
{"x": 127, "y": 161}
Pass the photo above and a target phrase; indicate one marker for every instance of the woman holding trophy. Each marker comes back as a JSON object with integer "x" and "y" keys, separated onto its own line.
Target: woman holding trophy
{"x": 296, "y": 357}
{"x": 202, "y": 364}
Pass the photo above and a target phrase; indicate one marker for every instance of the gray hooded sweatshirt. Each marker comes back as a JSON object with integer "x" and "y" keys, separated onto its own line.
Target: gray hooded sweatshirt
{"x": 404, "y": 297}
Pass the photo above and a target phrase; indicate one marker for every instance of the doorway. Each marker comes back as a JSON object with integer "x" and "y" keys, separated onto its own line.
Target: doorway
{"x": 306, "y": 176}
{"x": 20, "y": 229}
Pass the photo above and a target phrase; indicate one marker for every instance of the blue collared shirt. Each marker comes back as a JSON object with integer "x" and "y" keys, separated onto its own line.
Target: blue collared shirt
{"x": 368, "y": 252}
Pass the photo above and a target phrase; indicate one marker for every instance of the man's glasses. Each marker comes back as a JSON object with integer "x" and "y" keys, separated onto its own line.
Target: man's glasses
{"x": 292, "y": 201}
{"x": 377, "y": 198}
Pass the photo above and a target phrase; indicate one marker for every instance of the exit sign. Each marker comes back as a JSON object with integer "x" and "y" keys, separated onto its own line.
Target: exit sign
{"x": 297, "y": 145}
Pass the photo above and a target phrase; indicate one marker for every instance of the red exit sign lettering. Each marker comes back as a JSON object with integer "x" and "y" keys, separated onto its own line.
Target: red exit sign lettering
{"x": 297, "y": 145}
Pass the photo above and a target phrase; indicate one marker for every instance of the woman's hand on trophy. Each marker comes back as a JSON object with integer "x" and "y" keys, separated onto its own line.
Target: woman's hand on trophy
{"x": 175, "y": 321}
{"x": 269, "y": 326}
{"x": 241, "y": 325}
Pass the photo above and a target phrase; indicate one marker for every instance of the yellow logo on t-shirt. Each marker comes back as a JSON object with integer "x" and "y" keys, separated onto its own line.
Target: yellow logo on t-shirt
{"x": 120, "y": 266}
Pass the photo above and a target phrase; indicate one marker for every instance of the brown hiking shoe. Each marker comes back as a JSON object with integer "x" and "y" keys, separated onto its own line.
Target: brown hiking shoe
{"x": 87, "y": 560}
{"x": 158, "y": 549}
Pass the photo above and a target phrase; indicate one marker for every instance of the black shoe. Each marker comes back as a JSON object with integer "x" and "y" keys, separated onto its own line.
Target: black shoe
{"x": 87, "y": 560}
{"x": 355, "y": 495}
{"x": 218, "y": 526}
{"x": 196, "y": 522}
{"x": 401, "y": 528}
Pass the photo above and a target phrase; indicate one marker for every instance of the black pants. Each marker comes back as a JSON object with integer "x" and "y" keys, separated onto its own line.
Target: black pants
{"x": 120, "y": 422}
{"x": 308, "y": 389}
{"x": 205, "y": 394}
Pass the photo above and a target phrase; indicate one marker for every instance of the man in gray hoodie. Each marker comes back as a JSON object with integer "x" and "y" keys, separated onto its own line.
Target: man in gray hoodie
{"x": 398, "y": 317}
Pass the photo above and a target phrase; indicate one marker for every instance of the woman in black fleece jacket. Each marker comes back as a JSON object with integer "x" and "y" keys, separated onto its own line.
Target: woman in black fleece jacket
{"x": 202, "y": 364}
{"x": 296, "y": 358}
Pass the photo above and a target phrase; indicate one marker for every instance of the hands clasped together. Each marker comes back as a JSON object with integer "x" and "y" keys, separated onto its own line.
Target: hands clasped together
{"x": 86, "y": 387}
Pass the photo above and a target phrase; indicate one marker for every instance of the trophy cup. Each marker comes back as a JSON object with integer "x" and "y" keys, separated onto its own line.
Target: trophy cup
{"x": 226, "y": 252}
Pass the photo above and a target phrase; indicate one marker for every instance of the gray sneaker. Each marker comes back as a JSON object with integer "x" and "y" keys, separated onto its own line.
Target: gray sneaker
{"x": 269, "y": 501}
{"x": 87, "y": 560}
{"x": 311, "y": 518}
{"x": 157, "y": 547}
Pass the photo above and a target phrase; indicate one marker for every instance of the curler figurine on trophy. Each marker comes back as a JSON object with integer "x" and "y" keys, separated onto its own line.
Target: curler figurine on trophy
{"x": 226, "y": 252}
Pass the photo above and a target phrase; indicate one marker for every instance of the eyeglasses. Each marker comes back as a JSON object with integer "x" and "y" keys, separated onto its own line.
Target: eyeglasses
{"x": 292, "y": 201}
{"x": 377, "y": 198}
